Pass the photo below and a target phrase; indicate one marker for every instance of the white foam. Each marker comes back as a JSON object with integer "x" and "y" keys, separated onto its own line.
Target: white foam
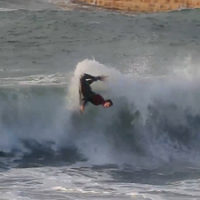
{"x": 7, "y": 9}
{"x": 34, "y": 80}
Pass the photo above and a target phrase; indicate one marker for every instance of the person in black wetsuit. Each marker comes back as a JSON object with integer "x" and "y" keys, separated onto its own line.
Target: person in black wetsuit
{"x": 87, "y": 95}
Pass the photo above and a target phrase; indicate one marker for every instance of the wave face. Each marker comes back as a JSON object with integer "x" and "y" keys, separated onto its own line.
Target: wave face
{"x": 32, "y": 126}
{"x": 154, "y": 120}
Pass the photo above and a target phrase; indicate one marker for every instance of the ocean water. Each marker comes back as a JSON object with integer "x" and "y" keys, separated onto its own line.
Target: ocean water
{"x": 145, "y": 147}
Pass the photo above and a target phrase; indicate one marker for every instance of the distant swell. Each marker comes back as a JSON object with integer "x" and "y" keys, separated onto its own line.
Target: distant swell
{"x": 12, "y": 5}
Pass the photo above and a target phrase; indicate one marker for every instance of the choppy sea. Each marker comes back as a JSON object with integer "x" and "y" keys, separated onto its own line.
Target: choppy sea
{"x": 48, "y": 150}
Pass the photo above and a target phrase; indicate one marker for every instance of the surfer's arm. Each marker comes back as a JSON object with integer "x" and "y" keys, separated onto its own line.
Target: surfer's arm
{"x": 82, "y": 106}
{"x": 82, "y": 109}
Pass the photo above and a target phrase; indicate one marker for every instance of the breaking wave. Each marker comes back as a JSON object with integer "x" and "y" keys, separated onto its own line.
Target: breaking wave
{"x": 154, "y": 120}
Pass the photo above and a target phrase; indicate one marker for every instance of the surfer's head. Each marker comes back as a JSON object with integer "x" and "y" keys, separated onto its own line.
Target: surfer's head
{"x": 107, "y": 103}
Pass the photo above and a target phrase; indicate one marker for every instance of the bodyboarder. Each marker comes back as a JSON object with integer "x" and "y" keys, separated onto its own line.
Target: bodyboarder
{"x": 87, "y": 95}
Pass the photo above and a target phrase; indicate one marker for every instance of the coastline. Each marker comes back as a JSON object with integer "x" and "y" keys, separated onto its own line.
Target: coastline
{"x": 129, "y": 6}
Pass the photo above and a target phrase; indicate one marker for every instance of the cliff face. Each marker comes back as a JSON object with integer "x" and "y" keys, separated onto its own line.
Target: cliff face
{"x": 144, "y": 5}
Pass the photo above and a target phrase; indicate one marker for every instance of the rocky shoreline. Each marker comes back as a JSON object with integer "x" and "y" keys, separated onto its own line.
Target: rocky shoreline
{"x": 130, "y": 6}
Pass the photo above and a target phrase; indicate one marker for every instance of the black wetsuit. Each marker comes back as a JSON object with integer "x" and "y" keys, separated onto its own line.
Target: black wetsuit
{"x": 86, "y": 93}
